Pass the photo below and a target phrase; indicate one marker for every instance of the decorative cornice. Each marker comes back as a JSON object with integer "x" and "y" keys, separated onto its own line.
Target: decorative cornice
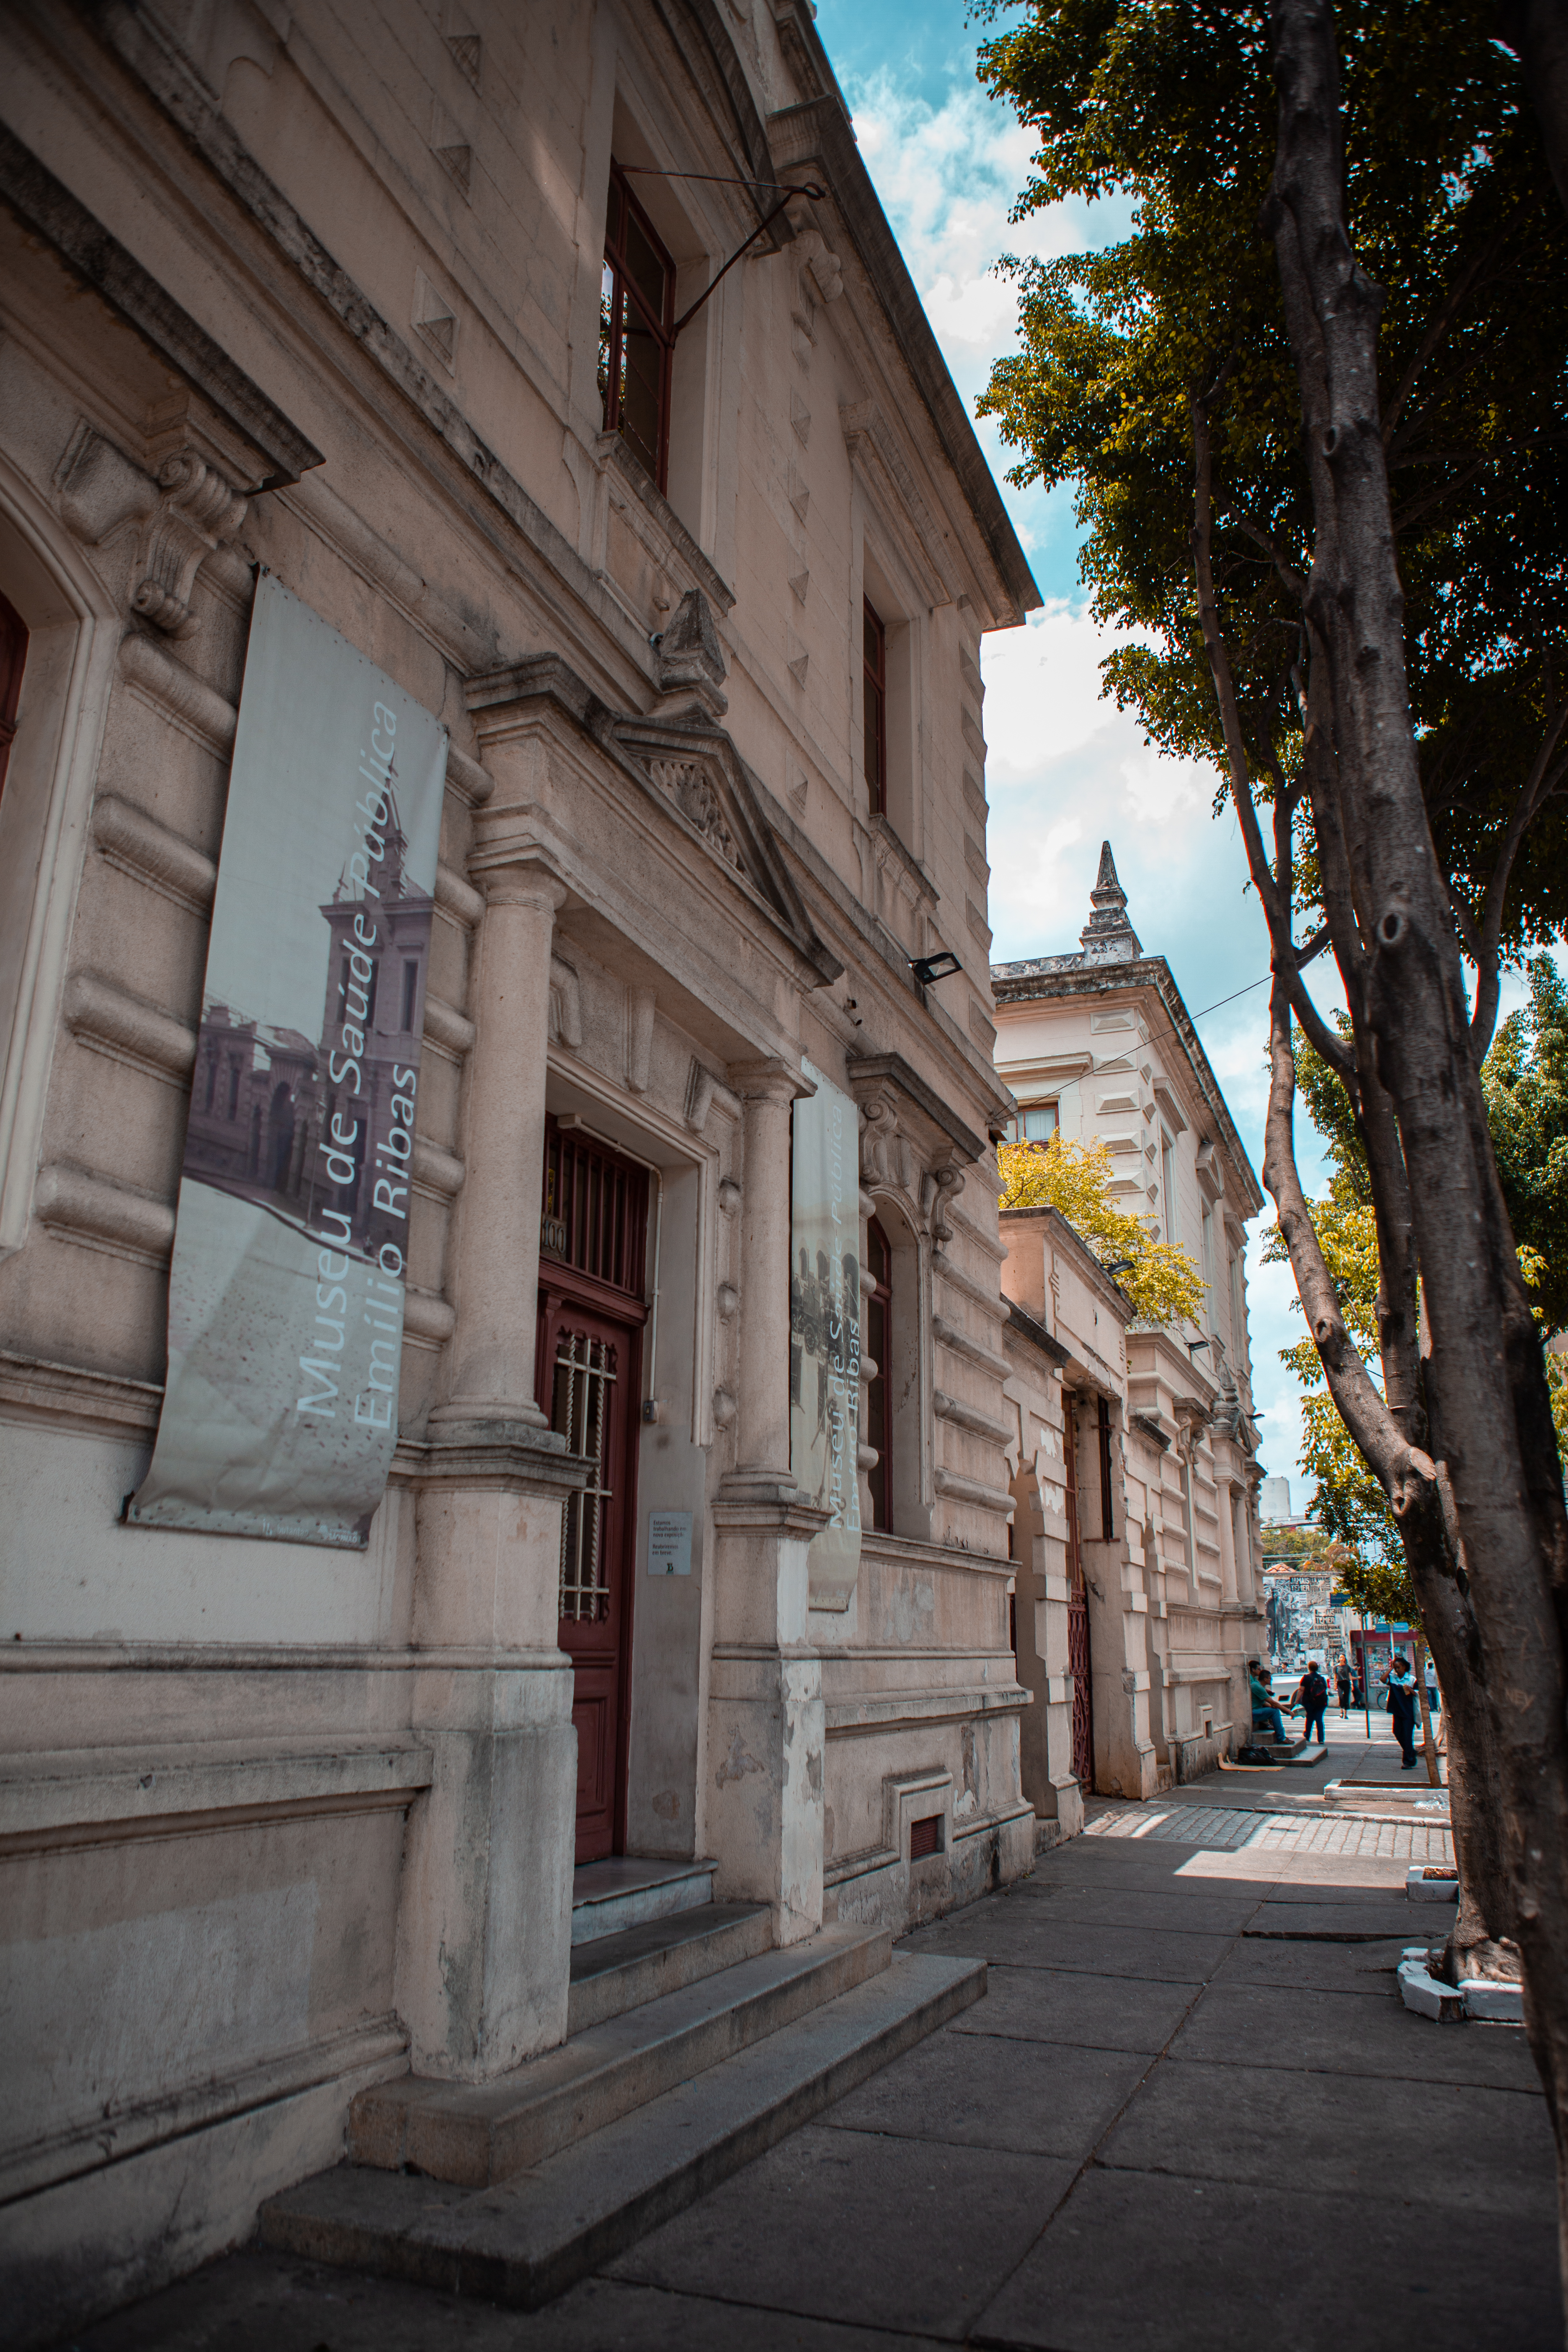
{"x": 686, "y": 764}
{"x": 818, "y": 131}
{"x": 101, "y": 262}
{"x": 1036, "y": 1334}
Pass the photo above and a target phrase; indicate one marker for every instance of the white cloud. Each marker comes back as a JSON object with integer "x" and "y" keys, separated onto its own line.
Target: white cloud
{"x": 1065, "y": 768}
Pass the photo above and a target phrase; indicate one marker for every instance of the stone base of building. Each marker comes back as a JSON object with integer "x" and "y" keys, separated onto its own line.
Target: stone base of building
{"x": 882, "y": 1889}
{"x": 84, "y": 2246}
{"x": 1195, "y": 1756}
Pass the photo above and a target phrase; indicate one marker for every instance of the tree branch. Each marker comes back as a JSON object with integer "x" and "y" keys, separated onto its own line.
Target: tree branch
{"x": 1447, "y": 314}
{"x": 1486, "y": 952}
{"x": 1276, "y": 905}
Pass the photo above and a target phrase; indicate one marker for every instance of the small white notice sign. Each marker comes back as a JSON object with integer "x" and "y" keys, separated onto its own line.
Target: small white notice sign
{"x": 670, "y": 1543}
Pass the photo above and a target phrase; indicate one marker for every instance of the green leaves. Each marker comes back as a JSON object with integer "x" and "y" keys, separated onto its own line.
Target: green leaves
{"x": 1158, "y": 1279}
{"x": 1525, "y": 1081}
{"x": 1173, "y": 105}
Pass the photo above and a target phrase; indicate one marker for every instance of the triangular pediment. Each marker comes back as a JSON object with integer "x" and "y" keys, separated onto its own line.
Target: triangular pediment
{"x": 692, "y": 767}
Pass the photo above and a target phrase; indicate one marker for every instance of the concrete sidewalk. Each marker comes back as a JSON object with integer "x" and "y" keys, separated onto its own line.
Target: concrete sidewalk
{"x": 1189, "y": 2112}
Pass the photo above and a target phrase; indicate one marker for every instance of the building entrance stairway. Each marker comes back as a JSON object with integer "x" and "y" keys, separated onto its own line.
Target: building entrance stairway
{"x": 692, "y": 2046}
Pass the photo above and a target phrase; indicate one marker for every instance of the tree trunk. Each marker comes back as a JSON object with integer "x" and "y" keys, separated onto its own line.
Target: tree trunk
{"x": 1428, "y": 1744}
{"x": 1492, "y": 1459}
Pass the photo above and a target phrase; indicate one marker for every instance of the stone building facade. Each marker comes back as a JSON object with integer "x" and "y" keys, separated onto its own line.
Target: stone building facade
{"x": 425, "y": 309}
{"x": 1134, "y": 1449}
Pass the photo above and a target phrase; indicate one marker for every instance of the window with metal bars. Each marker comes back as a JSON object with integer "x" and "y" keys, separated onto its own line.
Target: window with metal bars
{"x": 585, "y": 1372}
{"x": 598, "y": 1204}
{"x": 876, "y": 685}
{"x": 636, "y": 331}
{"x": 925, "y": 1837}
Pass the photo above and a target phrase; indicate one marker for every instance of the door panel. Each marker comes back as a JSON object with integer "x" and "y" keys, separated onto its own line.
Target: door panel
{"x": 590, "y": 1361}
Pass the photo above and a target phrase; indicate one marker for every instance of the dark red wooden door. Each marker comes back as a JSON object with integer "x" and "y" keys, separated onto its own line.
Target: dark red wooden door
{"x": 592, "y": 1361}
{"x": 591, "y": 1314}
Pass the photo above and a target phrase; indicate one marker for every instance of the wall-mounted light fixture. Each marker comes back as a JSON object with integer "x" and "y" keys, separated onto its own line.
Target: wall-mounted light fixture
{"x": 1120, "y": 1266}
{"x": 1194, "y": 1345}
{"x": 936, "y": 967}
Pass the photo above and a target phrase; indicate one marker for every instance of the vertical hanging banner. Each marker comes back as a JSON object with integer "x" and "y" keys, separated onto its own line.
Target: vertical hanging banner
{"x": 825, "y": 1332}
{"x": 290, "y": 1250}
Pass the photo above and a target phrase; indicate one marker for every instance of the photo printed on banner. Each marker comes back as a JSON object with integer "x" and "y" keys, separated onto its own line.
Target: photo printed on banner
{"x": 286, "y": 1289}
{"x": 825, "y": 1332}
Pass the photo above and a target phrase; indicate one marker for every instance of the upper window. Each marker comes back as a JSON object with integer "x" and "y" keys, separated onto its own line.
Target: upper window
{"x": 1035, "y": 1123}
{"x": 637, "y": 337}
{"x": 879, "y": 1392}
{"x": 876, "y": 659}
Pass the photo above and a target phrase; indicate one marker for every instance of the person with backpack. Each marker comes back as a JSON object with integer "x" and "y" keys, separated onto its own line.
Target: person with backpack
{"x": 1312, "y": 1692}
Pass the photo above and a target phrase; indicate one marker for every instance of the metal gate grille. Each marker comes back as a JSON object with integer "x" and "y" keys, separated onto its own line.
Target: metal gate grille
{"x": 1082, "y": 1703}
{"x": 584, "y": 1370}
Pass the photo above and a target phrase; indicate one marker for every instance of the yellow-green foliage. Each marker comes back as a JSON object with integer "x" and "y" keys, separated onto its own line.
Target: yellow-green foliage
{"x": 1162, "y": 1284}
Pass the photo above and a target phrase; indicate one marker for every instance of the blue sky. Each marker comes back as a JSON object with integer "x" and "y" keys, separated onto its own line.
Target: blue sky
{"x": 1065, "y": 768}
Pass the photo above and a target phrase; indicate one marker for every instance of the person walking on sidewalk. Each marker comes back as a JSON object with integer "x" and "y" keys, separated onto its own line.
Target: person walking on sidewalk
{"x": 1342, "y": 1683}
{"x": 1400, "y": 1685}
{"x": 1313, "y": 1693}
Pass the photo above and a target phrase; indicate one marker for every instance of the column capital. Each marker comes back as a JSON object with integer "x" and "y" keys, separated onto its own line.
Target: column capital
{"x": 513, "y": 878}
{"x": 770, "y": 1080}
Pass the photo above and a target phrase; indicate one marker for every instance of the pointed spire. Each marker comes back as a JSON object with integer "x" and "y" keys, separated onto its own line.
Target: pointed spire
{"x": 1108, "y": 936}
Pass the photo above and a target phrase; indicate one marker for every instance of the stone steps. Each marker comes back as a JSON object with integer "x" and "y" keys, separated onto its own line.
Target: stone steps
{"x": 475, "y": 2133}
{"x": 608, "y": 1897}
{"x": 611, "y": 1974}
{"x": 531, "y": 2237}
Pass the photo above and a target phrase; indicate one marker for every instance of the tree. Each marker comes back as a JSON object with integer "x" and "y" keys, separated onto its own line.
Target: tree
{"x": 1158, "y": 1279}
{"x": 1525, "y": 1081}
{"x": 1384, "y": 690}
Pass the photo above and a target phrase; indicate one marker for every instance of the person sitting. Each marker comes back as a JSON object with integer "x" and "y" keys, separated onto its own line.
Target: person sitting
{"x": 1266, "y": 1715}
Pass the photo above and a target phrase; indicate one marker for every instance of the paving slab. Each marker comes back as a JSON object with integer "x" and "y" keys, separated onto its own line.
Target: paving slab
{"x": 261, "y": 2301}
{"x": 1180, "y": 1908}
{"x": 1335, "y": 1922}
{"x": 1324, "y": 1873}
{"x": 1294, "y": 1895}
{"x": 890, "y": 2233}
{"x": 1028, "y": 1932}
{"x": 1038, "y": 2098}
{"x": 1149, "y": 2264}
{"x": 1315, "y": 2032}
{"x": 1065, "y": 2006}
{"x": 1324, "y": 1968}
{"x": 1461, "y": 2147}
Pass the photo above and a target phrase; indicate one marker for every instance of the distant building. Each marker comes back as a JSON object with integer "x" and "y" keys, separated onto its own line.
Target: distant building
{"x": 1136, "y": 1528}
{"x": 1274, "y": 1502}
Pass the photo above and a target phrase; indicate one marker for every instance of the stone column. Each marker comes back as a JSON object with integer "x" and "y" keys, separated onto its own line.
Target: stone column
{"x": 762, "y": 1453}
{"x": 497, "y": 1272}
{"x": 485, "y": 1925}
{"x": 765, "y": 1731}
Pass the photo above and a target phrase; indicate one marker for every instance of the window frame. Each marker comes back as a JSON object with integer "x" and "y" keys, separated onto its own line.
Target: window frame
{"x": 662, "y": 329}
{"x": 874, "y": 689}
{"x": 1018, "y": 1128}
